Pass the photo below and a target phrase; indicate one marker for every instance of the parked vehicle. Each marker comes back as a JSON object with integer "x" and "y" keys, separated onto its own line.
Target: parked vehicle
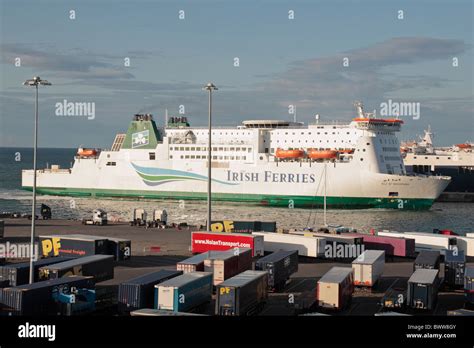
{"x": 428, "y": 259}
{"x": 74, "y": 245}
{"x": 19, "y": 273}
{"x": 138, "y": 292}
{"x": 101, "y": 267}
{"x": 454, "y": 265}
{"x": 139, "y": 217}
{"x": 368, "y": 267}
{"x": 280, "y": 265}
{"x": 306, "y": 246}
{"x": 423, "y": 288}
{"x": 208, "y": 241}
{"x": 37, "y": 298}
{"x": 244, "y": 294}
{"x": 45, "y": 212}
{"x": 99, "y": 218}
{"x": 185, "y": 292}
{"x": 334, "y": 290}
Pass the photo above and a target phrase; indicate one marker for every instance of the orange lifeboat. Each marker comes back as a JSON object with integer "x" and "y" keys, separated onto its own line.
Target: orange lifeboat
{"x": 348, "y": 151}
{"x": 86, "y": 152}
{"x": 464, "y": 146}
{"x": 322, "y": 154}
{"x": 289, "y": 154}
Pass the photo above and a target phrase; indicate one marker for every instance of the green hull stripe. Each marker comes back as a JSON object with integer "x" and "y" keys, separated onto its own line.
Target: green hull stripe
{"x": 268, "y": 200}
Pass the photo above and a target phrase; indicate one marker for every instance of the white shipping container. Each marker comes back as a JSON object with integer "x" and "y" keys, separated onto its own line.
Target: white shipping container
{"x": 306, "y": 246}
{"x": 368, "y": 267}
{"x": 426, "y": 241}
{"x": 335, "y": 288}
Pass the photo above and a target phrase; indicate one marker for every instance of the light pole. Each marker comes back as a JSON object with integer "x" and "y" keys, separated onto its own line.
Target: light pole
{"x": 209, "y": 87}
{"x": 35, "y": 81}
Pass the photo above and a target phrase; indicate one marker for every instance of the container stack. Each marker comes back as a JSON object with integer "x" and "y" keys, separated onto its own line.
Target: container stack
{"x": 280, "y": 266}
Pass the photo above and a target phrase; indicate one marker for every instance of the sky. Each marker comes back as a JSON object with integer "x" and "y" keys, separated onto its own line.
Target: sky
{"x": 426, "y": 57}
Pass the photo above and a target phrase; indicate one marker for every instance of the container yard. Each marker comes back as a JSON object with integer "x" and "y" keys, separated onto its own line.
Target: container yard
{"x": 279, "y": 265}
{"x": 368, "y": 267}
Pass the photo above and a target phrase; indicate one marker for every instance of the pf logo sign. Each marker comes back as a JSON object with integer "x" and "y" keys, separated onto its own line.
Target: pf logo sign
{"x": 51, "y": 246}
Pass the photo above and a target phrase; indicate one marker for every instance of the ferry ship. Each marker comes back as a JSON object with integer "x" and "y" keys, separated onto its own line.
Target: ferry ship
{"x": 265, "y": 162}
{"x": 456, "y": 161}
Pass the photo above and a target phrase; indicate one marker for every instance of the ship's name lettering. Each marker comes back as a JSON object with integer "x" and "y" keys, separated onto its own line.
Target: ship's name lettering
{"x": 269, "y": 176}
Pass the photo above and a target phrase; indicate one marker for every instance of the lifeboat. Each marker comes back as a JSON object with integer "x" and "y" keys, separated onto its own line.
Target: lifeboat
{"x": 464, "y": 146}
{"x": 86, "y": 152}
{"x": 322, "y": 154}
{"x": 289, "y": 154}
{"x": 347, "y": 151}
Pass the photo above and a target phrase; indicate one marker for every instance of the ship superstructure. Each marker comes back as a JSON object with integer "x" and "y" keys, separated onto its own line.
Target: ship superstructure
{"x": 267, "y": 162}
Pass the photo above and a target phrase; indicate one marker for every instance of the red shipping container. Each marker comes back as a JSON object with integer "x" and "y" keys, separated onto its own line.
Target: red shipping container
{"x": 404, "y": 247}
{"x": 207, "y": 241}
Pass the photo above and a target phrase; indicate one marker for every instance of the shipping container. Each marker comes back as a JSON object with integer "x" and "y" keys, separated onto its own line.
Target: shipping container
{"x": 19, "y": 273}
{"x": 466, "y": 244}
{"x": 334, "y": 290}
{"x": 184, "y": 293}
{"x": 150, "y": 312}
{"x": 333, "y": 238}
{"x": 423, "y": 288}
{"x": 461, "y": 312}
{"x": 368, "y": 267}
{"x": 280, "y": 265}
{"x": 244, "y": 294}
{"x": 2, "y": 228}
{"x": 454, "y": 265}
{"x": 428, "y": 259}
{"x": 393, "y": 246}
{"x": 425, "y": 241}
{"x": 223, "y": 266}
{"x": 306, "y": 246}
{"x": 120, "y": 248}
{"x": 244, "y": 256}
{"x": 194, "y": 263}
{"x": 208, "y": 241}
{"x": 37, "y": 298}
{"x": 394, "y": 298}
{"x": 73, "y": 245}
{"x": 469, "y": 284}
{"x": 101, "y": 267}
{"x": 139, "y": 292}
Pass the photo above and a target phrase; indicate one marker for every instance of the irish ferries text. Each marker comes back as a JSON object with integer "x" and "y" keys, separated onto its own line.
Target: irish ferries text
{"x": 269, "y": 176}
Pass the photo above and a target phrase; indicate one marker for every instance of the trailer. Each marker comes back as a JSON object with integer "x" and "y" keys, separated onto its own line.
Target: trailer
{"x": 101, "y": 267}
{"x": 222, "y": 266}
{"x": 469, "y": 284}
{"x": 334, "y": 290}
{"x": 38, "y": 298}
{"x": 393, "y": 246}
{"x": 120, "y": 248}
{"x": 454, "y": 265}
{"x": 138, "y": 292}
{"x": 19, "y": 273}
{"x": 244, "y": 258}
{"x": 99, "y": 218}
{"x": 426, "y": 241}
{"x": 280, "y": 265}
{"x": 184, "y": 293}
{"x": 194, "y": 263}
{"x": 428, "y": 259}
{"x": 306, "y": 246}
{"x": 139, "y": 217}
{"x": 216, "y": 241}
{"x": 423, "y": 288}
{"x": 74, "y": 245}
{"x": 344, "y": 239}
{"x": 242, "y": 295}
{"x": 368, "y": 267}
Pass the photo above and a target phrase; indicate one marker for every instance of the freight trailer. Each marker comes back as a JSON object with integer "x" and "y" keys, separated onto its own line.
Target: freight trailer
{"x": 393, "y": 246}
{"x": 185, "y": 292}
{"x": 244, "y": 257}
{"x": 334, "y": 290}
{"x": 72, "y": 245}
{"x": 150, "y": 312}
{"x": 280, "y": 265}
{"x": 454, "y": 265}
{"x": 209, "y": 241}
{"x": 222, "y": 266}
{"x": 426, "y": 241}
{"x": 306, "y": 246}
{"x": 469, "y": 284}
{"x": 39, "y": 298}
{"x": 194, "y": 263}
{"x": 368, "y": 267}
{"x": 244, "y": 294}
{"x": 19, "y": 273}
{"x": 423, "y": 288}
{"x": 345, "y": 239}
{"x": 120, "y": 248}
{"x": 428, "y": 259}
{"x": 138, "y": 292}
{"x": 101, "y": 267}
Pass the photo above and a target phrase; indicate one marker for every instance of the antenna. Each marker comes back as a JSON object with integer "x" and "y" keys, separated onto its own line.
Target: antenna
{"x": 166, "y": 117}
{"x": 294, "y": 115}
{"x": 317, "y": 118}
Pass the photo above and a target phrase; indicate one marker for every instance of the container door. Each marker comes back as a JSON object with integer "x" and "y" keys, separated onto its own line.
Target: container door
{"x": 165, "y": 298}
{"x": 358, "y": 276}
{"x": 420, "y": 296}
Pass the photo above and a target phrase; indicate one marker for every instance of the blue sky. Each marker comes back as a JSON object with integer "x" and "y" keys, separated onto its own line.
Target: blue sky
{"x": 282, "y": 62}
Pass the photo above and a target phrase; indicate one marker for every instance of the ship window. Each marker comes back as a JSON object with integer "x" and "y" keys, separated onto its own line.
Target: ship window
{"x": 414, "y": 157}
{"x": 171, "y": 156}
{"x": 437, "y": 157}
{"x": 261, "y": 157}
{"x": 393, "y": 194}
{"x": 361, "y": 159}
{"x": 221, "y": 149}
{"x": 108, "y": 155}
{"x": 181, "y": 148}
{"x": 237, "y": 149}
{"x": 237, "y": 158}
{"x": 250, "y": 149}
{"x": 214, "y": 149}
{"x": 187, "y": 156}
{"x": 232, "y": 158}
{"x": 111, "y": 163}
{"x": 449, "y": 157}
{"x": 198, "y": 156}
{"x": 232, "y": 149}
{"x": 368, "y": 143}
{"x": 193, "y": 149}
{"x": 181, "y": 156}
{"x": 220, "y": 157}
{"x": 214, "y": 157}
{"x": 363, "y": 150}
{"x": 193, "y": 157}
{"x": 151, "y": 155}
{"x": 244, "y": 157}
{"x": 226, "y": 149}
{"x": 426, "y": 157}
